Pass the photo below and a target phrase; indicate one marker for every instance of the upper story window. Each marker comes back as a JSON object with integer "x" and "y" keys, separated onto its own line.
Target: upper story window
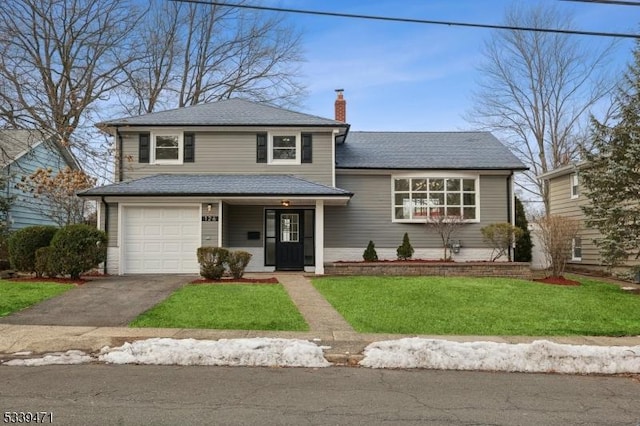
{"x": 284, "y": 148}
{"x": 575, "y": 192}
{"x": 417, "y": 198}
{"x": 167, "y": 148}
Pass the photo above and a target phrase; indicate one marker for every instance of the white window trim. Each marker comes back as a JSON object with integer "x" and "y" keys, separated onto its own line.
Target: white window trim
{"x": 152, "y": 146}
{"x": 573, "y": 250}
{"x": 297, "y": 135}
{"x": 434, "y": 175}
{"x": 574, "y": 177}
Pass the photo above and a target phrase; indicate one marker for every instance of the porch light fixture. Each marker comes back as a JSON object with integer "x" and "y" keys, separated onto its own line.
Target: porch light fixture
{"x": 209, "y": 207}
{"x": 285, "y": 203}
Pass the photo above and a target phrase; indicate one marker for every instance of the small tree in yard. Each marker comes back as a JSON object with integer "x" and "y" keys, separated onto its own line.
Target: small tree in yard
{"x": 370, "y": 254}
{"x": 405, "y": 251}
{"x": 446, "y": 227}
{"x": 556, "y": 235}
{"x": 500, "y": 236}
{"x": 523, "y": 242}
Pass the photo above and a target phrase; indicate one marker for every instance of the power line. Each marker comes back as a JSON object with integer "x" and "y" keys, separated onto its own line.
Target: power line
{"x": 413, "y": 21}
{"x": 608, "y": 2}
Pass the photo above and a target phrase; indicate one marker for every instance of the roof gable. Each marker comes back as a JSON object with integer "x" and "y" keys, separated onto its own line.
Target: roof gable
{"x": 425, "y": 150}
{"x": 230, "y": 112}
{"x": 15, "y": 143}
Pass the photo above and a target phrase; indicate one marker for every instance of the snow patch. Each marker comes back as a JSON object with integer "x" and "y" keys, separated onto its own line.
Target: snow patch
{"x": 540, "y": 356}
{"x": 231, "y": 352}
{"x": 55, "y": 358}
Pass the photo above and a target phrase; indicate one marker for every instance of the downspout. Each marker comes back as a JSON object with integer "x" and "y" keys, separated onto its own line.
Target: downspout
{"x": 510, "y": 214}
{"x": 106, "y": 226}
{"x": 120, "y": 164}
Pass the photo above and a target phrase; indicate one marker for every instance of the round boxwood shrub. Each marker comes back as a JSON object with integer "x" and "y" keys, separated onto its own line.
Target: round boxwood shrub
{"x": 76, "y": 249}
{"x": 212, "y": 261}
{"x": 23, "y": 245}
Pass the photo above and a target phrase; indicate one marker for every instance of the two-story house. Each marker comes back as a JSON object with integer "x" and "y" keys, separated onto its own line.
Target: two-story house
{"x": 293, "y": 189}
{"x": 566, "y": 198}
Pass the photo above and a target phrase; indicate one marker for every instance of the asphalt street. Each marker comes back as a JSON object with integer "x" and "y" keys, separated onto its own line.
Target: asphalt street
{"x": 160, "y": 395}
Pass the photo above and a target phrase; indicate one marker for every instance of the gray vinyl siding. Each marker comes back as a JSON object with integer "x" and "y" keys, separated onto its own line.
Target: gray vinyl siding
{"x": 241, "y": 220}
{"x": 232, "y": 153}
{"x": 561, "y": 203}
{"x": 112, "y": 227}
{"x": 368, "y": 216}
{"x": 209, "y": 228}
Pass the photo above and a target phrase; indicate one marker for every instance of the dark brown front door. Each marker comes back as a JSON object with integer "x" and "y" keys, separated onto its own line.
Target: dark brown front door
{"x": 290, "y": 240}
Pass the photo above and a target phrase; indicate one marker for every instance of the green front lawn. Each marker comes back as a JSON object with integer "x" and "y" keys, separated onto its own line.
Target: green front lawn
{"x": 481, "y": 306}
{"x": 226, "y": 306}
{"x": 15, "y": 296}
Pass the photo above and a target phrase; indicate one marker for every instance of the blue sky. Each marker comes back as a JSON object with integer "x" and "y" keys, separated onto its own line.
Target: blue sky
{"x": 400, "y": 76}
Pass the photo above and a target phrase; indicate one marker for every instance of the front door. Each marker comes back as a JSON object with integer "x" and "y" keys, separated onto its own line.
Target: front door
{"x": 290, "y": 240}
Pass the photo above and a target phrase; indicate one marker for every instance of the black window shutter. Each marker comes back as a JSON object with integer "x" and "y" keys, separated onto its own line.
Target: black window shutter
{"x": 261, "y": 148}
{"x": 143, "y": 148}
{"x": 189, "y": 147}
{"x": 306, "y": 148}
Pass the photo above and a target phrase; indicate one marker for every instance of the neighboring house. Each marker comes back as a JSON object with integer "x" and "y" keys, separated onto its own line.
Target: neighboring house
{"x": 22, "y": 152}
{"x": 293, "y": 189}
{"x": 566, "y": 198}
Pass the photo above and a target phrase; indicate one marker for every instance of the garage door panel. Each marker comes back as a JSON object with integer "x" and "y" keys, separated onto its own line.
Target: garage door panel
{"x": 161, "y": 239}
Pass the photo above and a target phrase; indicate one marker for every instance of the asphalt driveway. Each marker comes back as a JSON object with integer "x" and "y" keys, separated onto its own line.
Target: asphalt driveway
{"x": 103, "y": 302}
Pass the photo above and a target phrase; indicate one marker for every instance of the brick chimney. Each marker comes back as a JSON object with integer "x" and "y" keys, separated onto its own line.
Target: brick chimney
{"x": 341, "y": 106}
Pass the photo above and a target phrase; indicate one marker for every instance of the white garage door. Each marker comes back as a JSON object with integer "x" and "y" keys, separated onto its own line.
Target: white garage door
{"x": 160, "y": 240}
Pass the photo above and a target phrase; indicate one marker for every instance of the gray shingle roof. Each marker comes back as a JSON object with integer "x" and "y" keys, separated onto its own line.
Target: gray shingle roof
{"x": 230, "y": 112}
{"x": 217, "y": 185}
{"x": 425, "y": 150}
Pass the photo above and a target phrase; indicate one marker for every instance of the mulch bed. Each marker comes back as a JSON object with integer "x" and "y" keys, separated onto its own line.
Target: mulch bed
{"x": 398, "y": 261}
{"x": 272, "y": 280}
{"x": 557, "y": 281}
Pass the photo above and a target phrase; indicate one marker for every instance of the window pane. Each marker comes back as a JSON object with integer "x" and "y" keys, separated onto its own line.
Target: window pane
{"x": 469, "y": 199}
{"x": 270, "y": 251}
{"x": 436, "y": 184}
{"x": 419, "y": 184}
{"x": 284, "y": 141}
{"x": 453, "y": 184}
{"x": 308, "y": 223}
{"x": 284, "y": 153}
{"x": 453, "y": 211}
{"x": 420, "y": 205}
{"x": 309, "y": 259}
{"x": 401, "y": 199}
{"x": 289, "y": 228}
{"x": 166, "y": 153}
{"x": 271, "y": 224}
{"x": 401, "y": 185}
{"x": 468, "y": 185}
{"x": 402, "y": 213}
{"x": 453, "y": 199}
{"x": 469, "y": 212}
{"x": 436, "y": 212}
{"x": 437, "y": 199}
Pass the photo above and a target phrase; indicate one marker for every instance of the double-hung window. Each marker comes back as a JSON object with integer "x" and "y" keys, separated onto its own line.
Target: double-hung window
{"x": 167, "y": 148}
{"x": 284, "y": 148}
{"x": 575, "y": 192}
{"x": 417, "y": 198}
{"x": 576, "y": 249}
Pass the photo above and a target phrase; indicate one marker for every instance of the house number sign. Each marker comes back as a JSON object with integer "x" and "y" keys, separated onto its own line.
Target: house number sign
{"x": 209, "y": 218}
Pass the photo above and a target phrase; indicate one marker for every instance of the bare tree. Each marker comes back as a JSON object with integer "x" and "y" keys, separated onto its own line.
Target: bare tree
{"x": 537, "y": 91}
{"x": 201, "y": 53}
{"x": 446, "y": 227}
{"x": 58, "y": 60}
{"x": 556, "y": 237}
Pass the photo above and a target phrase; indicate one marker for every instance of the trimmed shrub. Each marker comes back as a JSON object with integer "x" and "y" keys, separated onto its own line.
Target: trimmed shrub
{"x": 500, "y": 236}
{"x": 524, "y": 245}
{"x": 405, "y": 251}
{"x": 212, "y": 261}
{"x": 370, "y": 254}
{"x": 238, "y": 261}
{"x": 77, "y": 249}
{"x": 44, "y": 266}
{"x": 24, "y": 243}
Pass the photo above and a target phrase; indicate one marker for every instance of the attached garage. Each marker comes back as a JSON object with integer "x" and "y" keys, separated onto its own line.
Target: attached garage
{"x": 160, "y": 239}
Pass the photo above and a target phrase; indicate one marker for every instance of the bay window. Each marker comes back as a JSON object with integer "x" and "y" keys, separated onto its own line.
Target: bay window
{"x": 417, "y": 198}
